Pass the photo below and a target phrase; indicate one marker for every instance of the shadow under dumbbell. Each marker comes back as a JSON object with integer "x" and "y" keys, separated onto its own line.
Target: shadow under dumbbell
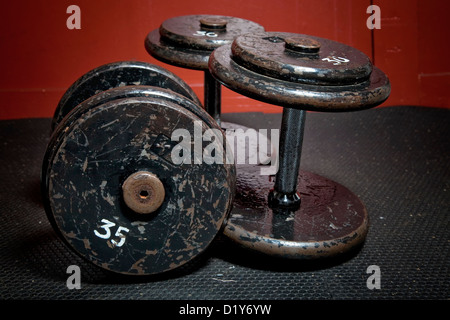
{"x": 190, "y": 267}
{"x": 225, "y": 249}
{"x": 46, "y": 256}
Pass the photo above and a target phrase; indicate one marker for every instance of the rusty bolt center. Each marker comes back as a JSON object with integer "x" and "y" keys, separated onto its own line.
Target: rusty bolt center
{"x": 213, "y": 23}
{"x": 304, "y": 45}
{"x": 143, "y": 192}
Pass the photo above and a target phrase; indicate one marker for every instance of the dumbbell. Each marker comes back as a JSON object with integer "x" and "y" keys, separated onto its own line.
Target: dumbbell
{"x": 113, "y": 185}
{"x": 119, "y": 74}
{"x": 300, "y": 215}
{"x": 187, "y": 42}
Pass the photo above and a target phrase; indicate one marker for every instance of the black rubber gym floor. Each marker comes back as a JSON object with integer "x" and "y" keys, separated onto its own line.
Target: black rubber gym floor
{"x": 396, "y": 159}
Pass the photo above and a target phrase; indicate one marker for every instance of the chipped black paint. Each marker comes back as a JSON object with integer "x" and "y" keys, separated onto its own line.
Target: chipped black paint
{"x": 182, "y": 41}
{"x": 138, "y": 91}
{"x": 91, "y": 153}
{"x": 185, "y": 42}
{"x": 329, "y": 218}
{"x": 260, "y": 76}
{"x": 118, "y": 74}
{"x": 186, "y": 31}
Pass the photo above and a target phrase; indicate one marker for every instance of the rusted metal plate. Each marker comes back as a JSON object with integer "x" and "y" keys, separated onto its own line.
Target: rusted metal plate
{"x": 314, "y": 97}
{"x": 247, "y": 144}
{"x": 206, "y": 32}
{"x": 297, "y": 215}
{"x": 301, "y": 58}
{"x": 117, "y": 74}
{"x": 331, "y": 220}
{"x": 85, "y": 167}
{"x": 139, "y": 91}
{"x": 187, "y": 41}
{"x": 148, "y": 92}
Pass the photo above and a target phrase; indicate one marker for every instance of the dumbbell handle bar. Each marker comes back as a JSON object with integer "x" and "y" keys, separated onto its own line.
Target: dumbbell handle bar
{"x": 284, "y": 194}
{"x": 212, "y": 96}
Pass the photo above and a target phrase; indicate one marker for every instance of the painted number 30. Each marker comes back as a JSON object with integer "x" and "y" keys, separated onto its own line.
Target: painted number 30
{"x": 204, "y": 33}
{"x": 336, "y": 60}
{"x": 107, "y": 234}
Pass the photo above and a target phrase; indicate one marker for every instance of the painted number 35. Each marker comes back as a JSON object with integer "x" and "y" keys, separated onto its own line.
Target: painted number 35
{"x": 107, "y": 233}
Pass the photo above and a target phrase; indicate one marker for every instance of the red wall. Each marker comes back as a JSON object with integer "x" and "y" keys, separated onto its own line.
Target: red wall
{"x": 41, "y": 58}
{"x": 412, "y": 48}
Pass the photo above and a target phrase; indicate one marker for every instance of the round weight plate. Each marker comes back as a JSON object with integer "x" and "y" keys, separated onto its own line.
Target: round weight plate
{"x": 139, "y": 91}
{"x": 85, "y": 171}
{"x": 247, "y": 144}
{"x": 187, "y": 41}
{"x": 119, "y": 74}
{"x": 301, "y": 58}
{"x": 142, "y": 91}
{"x": 205, "y": 32}
{"x": 331, "y": 219}
{"x": 364, "y": 95}
{"x": 174, "y": 55}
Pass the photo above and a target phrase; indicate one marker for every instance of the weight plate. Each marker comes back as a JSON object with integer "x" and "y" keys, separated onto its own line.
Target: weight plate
{"x": 119, "y": 74}
{"x": 139, "y": 91}
{"x": 301, "y": 58}
{"x": 205, "y": 32}
{"x": 247, "y": 144}
{"x": 364, "y": 95}
{"x": 187, "y": 41}
{"x": 331, "y": 219}
{"x": 174, "y": 55}
{"x": 85, "y": 172}
{"x": 142, "y": 91}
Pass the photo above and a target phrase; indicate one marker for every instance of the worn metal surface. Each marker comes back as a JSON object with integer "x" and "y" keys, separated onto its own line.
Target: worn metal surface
{"x": 187, "y": 41}
{"x": 174, "y": 55}
{"x": 299, "y": 216}
{"x": 293, "y": 94}
{"x": 408, "y": 208}
{"x": 213, "y": 23}
{"x": 203, "y": 32}
{"x": 149, "y": 92}
{"x": 139, "y": 91}
{"x": 301, "y": 58}
{"x": 331, "y": 220}
{"x": 213, "y": 96}
{"x": 142, "y": 91}
{"x": 89, "y": 157}
{"x": 117, "y": 74}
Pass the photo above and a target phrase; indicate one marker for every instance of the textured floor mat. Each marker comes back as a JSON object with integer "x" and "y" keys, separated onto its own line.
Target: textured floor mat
{"x": 397, "y": 160}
